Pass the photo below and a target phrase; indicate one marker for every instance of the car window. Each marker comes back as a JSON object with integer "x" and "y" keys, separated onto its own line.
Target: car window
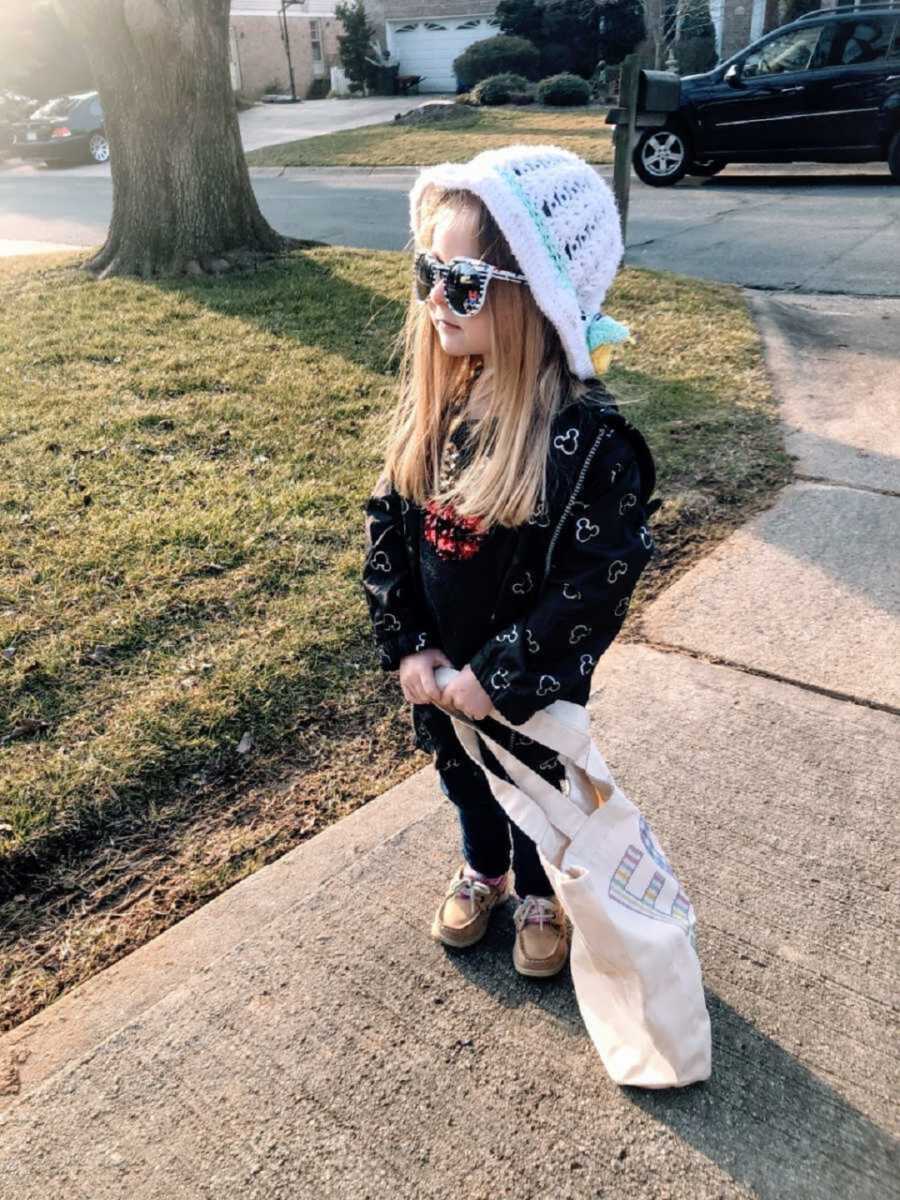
{"x": 791, "y": 51}
{"x": 894, "y": 51}
{"x": 862, "y": 41}
{"x": 96, "y": 109}
{"x": 60, "y": 107}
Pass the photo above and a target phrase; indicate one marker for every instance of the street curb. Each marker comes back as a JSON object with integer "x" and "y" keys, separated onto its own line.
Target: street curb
{"x": 95, "y": 1010}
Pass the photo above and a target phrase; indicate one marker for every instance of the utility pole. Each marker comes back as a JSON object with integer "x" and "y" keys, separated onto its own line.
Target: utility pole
{"x": 285, "y": 5}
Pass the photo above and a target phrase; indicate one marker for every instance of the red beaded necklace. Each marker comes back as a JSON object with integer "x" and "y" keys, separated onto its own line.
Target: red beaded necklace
{"x": 453, "y": 536}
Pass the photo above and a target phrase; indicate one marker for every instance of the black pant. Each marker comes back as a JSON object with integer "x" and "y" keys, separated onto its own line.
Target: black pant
{"x": 484, "y": 825}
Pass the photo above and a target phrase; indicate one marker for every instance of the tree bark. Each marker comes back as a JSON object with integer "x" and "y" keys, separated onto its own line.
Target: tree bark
{"x": 182, "y": 200}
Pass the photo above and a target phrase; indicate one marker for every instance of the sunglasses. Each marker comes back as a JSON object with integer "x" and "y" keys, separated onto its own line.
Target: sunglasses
{"x": 465, "y": 281}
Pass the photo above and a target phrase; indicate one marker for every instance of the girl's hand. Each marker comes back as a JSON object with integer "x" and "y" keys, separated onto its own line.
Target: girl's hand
{"x": 466, "y": 695}
{"x": 417, "y": 676}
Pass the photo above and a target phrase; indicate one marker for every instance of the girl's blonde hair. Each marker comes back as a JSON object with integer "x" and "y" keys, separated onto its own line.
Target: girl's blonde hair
{"x": 506, "y": 478}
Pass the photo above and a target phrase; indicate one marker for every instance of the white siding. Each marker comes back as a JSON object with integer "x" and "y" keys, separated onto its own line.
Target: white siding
{"x": 427, "y": 46}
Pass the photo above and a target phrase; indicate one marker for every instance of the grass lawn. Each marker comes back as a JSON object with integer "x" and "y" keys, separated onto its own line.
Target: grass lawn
{"x": 475, "y": 129}
{"x": 187, "y": 681}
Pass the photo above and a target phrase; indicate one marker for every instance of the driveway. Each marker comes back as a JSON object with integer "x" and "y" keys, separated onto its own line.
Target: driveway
{"x": 795, "y": 229}
{"x": 272, "y": 124}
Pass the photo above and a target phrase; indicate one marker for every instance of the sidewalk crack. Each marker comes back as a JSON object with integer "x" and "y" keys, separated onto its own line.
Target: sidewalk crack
{"x": 719, "y": 661}
{"x": 854, "y": 487}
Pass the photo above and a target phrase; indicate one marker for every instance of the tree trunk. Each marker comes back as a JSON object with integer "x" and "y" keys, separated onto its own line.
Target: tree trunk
{"x": 182, "y": 199}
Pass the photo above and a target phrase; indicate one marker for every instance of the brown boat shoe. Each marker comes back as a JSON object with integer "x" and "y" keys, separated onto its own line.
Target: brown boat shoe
{"x": 542, "y": 937}
{"x": 463, "y": 916}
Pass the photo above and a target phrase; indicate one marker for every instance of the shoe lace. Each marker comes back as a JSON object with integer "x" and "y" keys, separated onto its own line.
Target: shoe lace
{"x": 537, "y": 910}
{"x": 470, "y": 890}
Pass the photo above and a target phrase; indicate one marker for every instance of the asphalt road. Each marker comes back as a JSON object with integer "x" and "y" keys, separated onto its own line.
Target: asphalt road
{"x": 804, "y": 229}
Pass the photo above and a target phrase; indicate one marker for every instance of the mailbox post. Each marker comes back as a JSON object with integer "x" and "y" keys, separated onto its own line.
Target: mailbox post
{"x": 645, "y": 100}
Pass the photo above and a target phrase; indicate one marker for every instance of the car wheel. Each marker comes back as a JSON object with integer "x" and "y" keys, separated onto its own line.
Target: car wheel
{"x": 660, "y": 157}
{"x": 706, "y": 169}
{"x": 98, "y": 148}
{"x": 894, "y": 157}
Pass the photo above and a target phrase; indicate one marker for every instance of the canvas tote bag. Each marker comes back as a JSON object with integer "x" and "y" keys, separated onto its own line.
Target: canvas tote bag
{"x": 634, "y": 960}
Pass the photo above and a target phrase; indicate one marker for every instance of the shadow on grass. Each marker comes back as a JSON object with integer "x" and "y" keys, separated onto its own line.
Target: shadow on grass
{"x": 303, "y": 299}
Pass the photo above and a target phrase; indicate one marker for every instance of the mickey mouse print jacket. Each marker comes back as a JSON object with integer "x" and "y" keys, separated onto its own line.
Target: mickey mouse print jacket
{"x": 567, "y": 588}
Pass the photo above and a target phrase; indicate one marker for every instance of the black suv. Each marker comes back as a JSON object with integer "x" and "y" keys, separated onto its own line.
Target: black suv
{"x": 825, "y": 88}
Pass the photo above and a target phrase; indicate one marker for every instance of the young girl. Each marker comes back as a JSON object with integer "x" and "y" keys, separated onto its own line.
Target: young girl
{"x": 508, "y": 528}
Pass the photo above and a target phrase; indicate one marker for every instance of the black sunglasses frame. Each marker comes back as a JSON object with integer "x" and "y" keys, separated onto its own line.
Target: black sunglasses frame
{"x": 465, "y": 281}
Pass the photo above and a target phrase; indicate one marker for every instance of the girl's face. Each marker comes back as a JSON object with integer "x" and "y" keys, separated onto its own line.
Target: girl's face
{"x": 455, "y": 236}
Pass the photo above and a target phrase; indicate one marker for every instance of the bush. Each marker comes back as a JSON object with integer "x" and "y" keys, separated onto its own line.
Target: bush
{"x": 494, "y": 56}
{"x": 319, "y": 89}
{"x": 353, "y": 43}
{"x": 564, "y": 91}
{"x": 557, "y": 59}
{"x": 566, "y": 32}
{"x": 499, "y": 89}
{"x": 622, "y": 29}
{"x": 695, "y": 48}
{"x": 521, "y": 98}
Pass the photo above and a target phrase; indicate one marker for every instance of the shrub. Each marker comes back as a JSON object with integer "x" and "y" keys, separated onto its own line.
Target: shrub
{"x": 563, "y": 91}
{"x": 499, "y": 89}
{"x": 622, "y": 29}
{"x": 566, "y": 32}
{"x": 556, "y": 58}
{"x": 319, "y": 88}
{"x": 353, "y": 43}
{"x": 494, "y": 56}
{"x": 695, "y": 48}
{"x": 521, "y": 98}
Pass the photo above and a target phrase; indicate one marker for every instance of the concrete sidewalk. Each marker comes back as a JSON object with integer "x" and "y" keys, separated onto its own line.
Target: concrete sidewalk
{"x": 301, "y": 1036}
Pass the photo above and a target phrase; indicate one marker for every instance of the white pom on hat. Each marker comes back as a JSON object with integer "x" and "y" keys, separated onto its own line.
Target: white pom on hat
{"x": 561, "y": 222}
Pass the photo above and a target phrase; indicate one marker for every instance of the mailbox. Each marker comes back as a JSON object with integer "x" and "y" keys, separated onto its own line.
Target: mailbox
{"x": 659, "y": 91}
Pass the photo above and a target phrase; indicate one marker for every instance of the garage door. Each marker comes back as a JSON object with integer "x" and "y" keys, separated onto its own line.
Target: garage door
{"x": 428, "y": 48}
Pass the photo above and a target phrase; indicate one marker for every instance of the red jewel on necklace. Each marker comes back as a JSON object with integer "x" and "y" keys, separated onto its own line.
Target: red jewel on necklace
{"x": 451, "y": 535}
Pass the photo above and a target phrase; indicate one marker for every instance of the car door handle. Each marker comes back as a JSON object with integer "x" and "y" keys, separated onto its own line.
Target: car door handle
{"x": 787, "y": 91}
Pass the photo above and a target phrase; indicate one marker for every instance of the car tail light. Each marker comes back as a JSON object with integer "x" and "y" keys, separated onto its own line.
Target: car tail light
{"x": 61, "y": 132}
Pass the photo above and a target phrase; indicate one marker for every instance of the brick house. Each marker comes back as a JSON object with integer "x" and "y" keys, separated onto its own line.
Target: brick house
{"x": 739, "y": 22}
{"x": 259, "y": 56}
{"x": 425, "y": 35}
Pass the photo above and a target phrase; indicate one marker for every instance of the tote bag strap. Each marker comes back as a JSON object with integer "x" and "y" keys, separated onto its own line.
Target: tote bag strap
{"x": 537, "y": 792}
{"x": 563, "y": 727}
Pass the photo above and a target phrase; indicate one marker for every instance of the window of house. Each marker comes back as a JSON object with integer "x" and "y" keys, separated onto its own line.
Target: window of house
{"x": 790, "y": 52}
{"x": 406, "y": 28}
{"x": 473, "y": 24}
{"x": 315, "y": 37}
{"x": 434, "y": 25}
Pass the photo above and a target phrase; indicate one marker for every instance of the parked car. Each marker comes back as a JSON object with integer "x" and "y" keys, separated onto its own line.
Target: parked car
{"x": 825, "y": 88}
{"x": 67, "y": 129}
{"x": 13, "y": 109}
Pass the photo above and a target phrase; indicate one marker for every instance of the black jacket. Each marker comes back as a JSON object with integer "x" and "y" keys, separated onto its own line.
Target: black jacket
{"x": 575, "y": 564}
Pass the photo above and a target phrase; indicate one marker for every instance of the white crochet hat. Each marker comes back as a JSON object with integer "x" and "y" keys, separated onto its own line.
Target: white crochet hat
{"x": 562, "y": 225}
